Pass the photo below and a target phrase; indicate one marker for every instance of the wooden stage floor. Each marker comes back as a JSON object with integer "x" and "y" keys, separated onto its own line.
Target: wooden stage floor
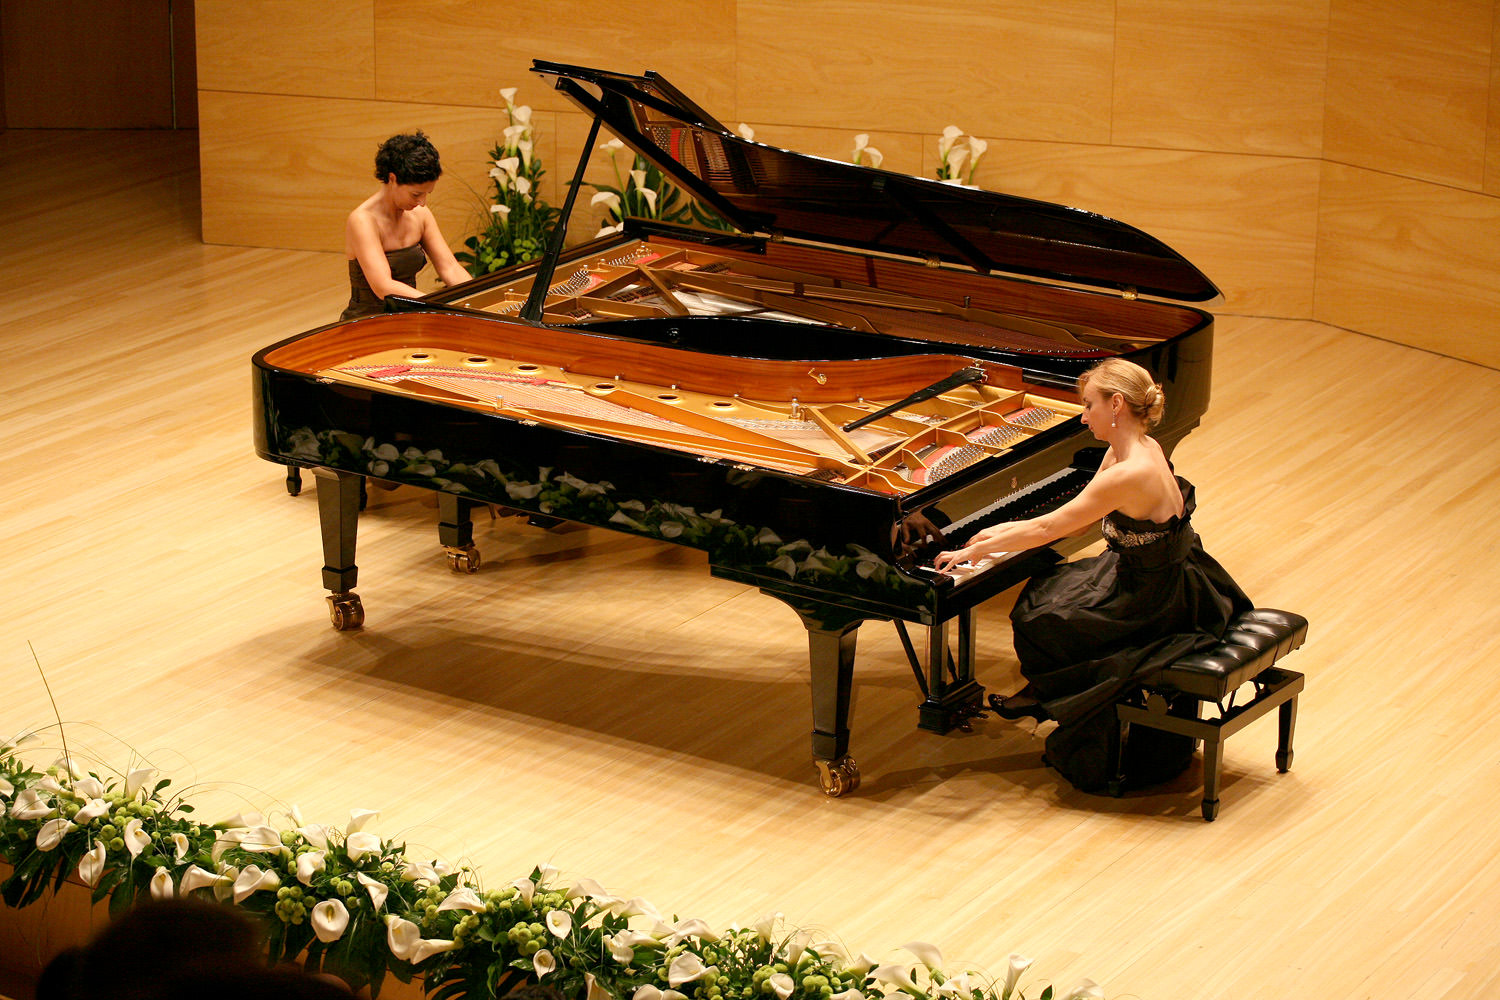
{"x": 599, "y": 702}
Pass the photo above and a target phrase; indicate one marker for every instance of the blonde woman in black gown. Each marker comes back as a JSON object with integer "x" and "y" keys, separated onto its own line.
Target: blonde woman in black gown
{"x": 1087, "y": 630}
{"x": 392, "y": 234}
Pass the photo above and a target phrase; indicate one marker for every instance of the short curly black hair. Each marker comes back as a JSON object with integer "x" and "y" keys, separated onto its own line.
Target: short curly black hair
{"x": 412, "y": 158}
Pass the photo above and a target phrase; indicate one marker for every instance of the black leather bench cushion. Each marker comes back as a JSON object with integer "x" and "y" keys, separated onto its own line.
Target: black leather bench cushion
{"x": 1253, "y": 641}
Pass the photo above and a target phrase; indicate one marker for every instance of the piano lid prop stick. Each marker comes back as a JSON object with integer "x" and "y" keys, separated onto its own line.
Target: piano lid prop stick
{"x": 961, "y": 377}
{"x": 542, "y": 281}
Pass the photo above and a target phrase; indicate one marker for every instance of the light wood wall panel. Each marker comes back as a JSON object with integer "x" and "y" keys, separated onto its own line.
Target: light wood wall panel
{"x": 465, "y": 51}
{"x": 1492, "y": 135}
{"x": 1248, "y": 222}
{"x": 1028, "y": 69}
{"x": 287, "y": 47}
{"x": 1408, "y": 87}
{"x": 1242, "y": 76}
{"x": 1409, "y": 261}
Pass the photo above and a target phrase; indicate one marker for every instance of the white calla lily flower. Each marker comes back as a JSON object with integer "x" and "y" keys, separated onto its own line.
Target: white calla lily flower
{"x": 522, "y": 114}
{"x": 361, "y": 818}
{"x": 508, "y": 94}
{"x": 377, "y": 889}
{"x": 588, "y": 889}
{"x": 136, "y": 781}
{"x": 329, "y": 920}
{"x": 357, "y": 845}
{"x": 611, "y": 146}
{"x": 180, "y": 846}
{"x": 406, "y": 942}
{"x": 6, "y": 788}
{"x": 315, "y": 834}
{"x": 136, "y": 839}
{"x": 592, "y": 989}
{"x": 510, "y": 165}
{"x": 950, "y": 136}
{"x": 766, "y": 925}
{"x": 199, "y": 878}
{"x": 501, "y": 210}
{"x": 526, "y": 888}
{"x": 252, "y": 880}
{"x": 462, "y": 898}
{"x": 687, "y": 968}
{"x": 543, "y": 962}
{"x": 309, "y": 864}
{"x": 30, "y": 805}
{"x": 956, "y": 159}
{"x": 782, "y": 985}
{"x": 523, "y": 186}
{"x": 694, "y": 927}
{"x": 512, "y": 135}
{"x": 896, "y": 975}
{"x": 850, "y": 994}
{"x": 89, "y": 787}
{"x": 639, "y": 178}
{"x": 161, "y": 884}
{"x": 1018, "y": 964}
{"x": 746, "y": 131}
{"x": 526, "y": 148}
{"x": 927, "y": 954}
{"x": 650, "y": 197}
{"x": 608, "y": 199}
{"x": 92, "y": 810}
{"x": 559, "y": 923}
{"x": 91, "y": 865}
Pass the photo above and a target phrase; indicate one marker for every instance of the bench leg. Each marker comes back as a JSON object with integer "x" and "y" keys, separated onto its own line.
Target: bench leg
{"x": 1288, "y": 723}
{"x": 1213, "y": 759}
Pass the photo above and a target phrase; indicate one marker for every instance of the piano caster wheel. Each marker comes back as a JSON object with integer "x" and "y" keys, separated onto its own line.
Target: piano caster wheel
{"x": 838, "y": 777}
{"x": 463, "y": 560}
{"x": 346, "y": 611}
{"x": 293, "y": 480}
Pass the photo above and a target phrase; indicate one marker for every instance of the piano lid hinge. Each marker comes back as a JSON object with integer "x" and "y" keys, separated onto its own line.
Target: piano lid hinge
{"x": 1129, "y": 294}
{"x": 933, "y": 260}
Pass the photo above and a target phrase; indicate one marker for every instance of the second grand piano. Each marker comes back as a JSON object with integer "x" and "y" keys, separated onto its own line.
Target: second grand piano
{"x": 714, "y": 389}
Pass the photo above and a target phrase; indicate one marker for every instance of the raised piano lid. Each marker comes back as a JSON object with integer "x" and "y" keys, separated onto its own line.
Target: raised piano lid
{"x": 763, "y": 189}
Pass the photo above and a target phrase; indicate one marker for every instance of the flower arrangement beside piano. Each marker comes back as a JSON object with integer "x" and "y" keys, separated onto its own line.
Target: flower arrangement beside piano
{"x": 519, "y": 224}
{"x": 351, "y": 903}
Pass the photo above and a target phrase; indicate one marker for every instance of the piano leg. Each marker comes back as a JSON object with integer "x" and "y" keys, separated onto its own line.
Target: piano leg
{"x": 456, "y": 531}
{"x": 338, "y": 515}
{"x": 831, "y": 632}
{"x": 951, "y": 700}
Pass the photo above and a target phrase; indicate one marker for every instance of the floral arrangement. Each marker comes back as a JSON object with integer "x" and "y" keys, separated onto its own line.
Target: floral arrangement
{"x": 519, "y": 223}
{"x": 644, "y": 192}
{"x": 954, "y": 149}
{"x": 350, "y": 903}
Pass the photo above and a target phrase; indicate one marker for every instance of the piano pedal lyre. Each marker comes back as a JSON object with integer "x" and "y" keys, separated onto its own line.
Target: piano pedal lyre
{"x": 346, "y": 611}
{"x": 838, "y": 777}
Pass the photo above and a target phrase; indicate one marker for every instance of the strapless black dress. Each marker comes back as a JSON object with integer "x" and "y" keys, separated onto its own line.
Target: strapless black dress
{"x": 1089, "y": 630}
{"x": 405, "y": 263}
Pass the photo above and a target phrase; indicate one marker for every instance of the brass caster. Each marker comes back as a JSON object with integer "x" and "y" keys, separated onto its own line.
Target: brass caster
{"x": 838, "y": 777}
{"x": 462, "y": 560}
{"x": 346, "y": 611}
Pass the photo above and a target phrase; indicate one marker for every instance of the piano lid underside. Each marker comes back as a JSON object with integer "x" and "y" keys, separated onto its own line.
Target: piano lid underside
{"x": 898, "y": 454}
{"x": 654, "y": 278}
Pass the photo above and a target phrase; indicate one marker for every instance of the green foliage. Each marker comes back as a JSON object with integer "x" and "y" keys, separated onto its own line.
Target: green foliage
{"x": 644, "y": 192}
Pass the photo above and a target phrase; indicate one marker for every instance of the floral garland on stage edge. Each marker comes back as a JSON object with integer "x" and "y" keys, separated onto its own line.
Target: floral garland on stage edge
{"x": 350, "y": 903}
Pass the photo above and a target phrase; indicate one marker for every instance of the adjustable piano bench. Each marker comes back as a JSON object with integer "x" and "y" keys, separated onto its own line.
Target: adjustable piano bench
{"x": 1251, "y": 646}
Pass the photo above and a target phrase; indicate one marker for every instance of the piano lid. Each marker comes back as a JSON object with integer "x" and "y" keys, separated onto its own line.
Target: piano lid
{"x": 763, "y": 189}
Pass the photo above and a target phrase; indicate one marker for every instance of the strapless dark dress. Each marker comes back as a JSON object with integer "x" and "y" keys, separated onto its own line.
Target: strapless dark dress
{"x": 405, "y": 263}
{"x": 1089, "y": 630}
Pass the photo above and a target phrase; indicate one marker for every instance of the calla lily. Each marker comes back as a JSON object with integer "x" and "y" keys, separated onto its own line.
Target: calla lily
{"x": 500, "y": 210}
{"x": 199, "y": 878}
{"x": 240, "y": 820}
{"x": 875, "y": 155}
{"x": 6, "y": 788}
{"x": 136, "y": 839}
{"x": 687, "y": 967}
{"x": 180, "y": 845}
{"x": 508, "y": 94}
{"x": 30, "y": 805}
{"x": 406, "y": 942}
{"x": 526, "y": 888}
{"x": 509, "y": 165}
{"x": 639, "y": 178}
{"x": 592, "y": 989}
{"x": 261, "y": 839}
{"x": 691, "y": 928}
{"x": 861, "y": 966}
{"x": 622, "y": 945}
{"x": 956, "y": 159}
{"x": 136, "y": 780}
{"x": 523, "y": 186}
{"x": 329, "y": 920}
{"x": 89, "y": 787}
{"x": 224, "y": 887}
{"x": 91, "y": 865}
{"x": 1018, "y": 964}
{"x": 377, "y": 889}
{"x": 587, "y": 888}
{"x": 543, "y": 962}
{"x": 361, "y": 818}
{"x": 746, "y": 131}
{"x": 53, "y": 832}
{"x": 161, "y": 884}
{"x": 315, "y": 834}
{"x": 49, "y": 784}
{"x": 611, "y": 146}
{"x": 357, "y": 845}
{"x": 463, "y": 898}
{"x": 73, "y": 769}
{"x": 513, "y": 135}
{"x": 650, "y": 197}
{"x": 926, "y": 953}
{"x": 766, "y": 925}
{"x": 92, "y": 810}
{"x": 526, "y": 147}
{"x": 976, "y": 150}
{"x": 896, "y": 975}
{"x": 950, "y": 136}
{"x": 649, "y": 992}
{"x": 309, "y": 864}
{"x": 608, "y": 199}
{"x": 782, "y": 984}
{"x": 521, "y": 114}
{"x": 252, "y": 880}
{"x": 795, "y": 946}
{"x": 1086, "y": 990}
{"x": 850, "y": 994}
{"x": 560, "y": 923}
{"x": 419, "y": 871}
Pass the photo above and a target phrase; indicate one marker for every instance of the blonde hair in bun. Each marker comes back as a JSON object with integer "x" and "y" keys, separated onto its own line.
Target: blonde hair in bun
{"x": 1133, "y": 383}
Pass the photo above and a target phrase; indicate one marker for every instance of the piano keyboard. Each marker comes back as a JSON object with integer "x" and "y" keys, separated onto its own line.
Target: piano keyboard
{"x": 1031, "y": 501}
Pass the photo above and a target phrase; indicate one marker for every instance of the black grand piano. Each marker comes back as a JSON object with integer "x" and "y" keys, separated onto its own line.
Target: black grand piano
{"x": 867, "y": 369}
